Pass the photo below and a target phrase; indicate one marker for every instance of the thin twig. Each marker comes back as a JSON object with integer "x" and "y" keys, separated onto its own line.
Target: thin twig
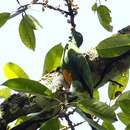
{"x": 71, "y": 12}
{"x": 54, "y": 8}
{"x": 20, "y": 10}
{"x": 77, "y": 124}
{"x": 115, "y": 82}
{"x": 23, "y": 8}
{"x": 18, "y": 2}
{"x": 70, "y": 123}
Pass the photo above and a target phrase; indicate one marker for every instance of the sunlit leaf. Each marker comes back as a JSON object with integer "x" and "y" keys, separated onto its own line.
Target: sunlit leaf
{"x": 124, "y": 118}
{"x": 5, "y": 92}
{"x": 114, "y": 88}
{"x": 53, "y": 59}
{"x": 26, "y": 32}
{"x": 20, "y": 120}
{"x": 124, "y": 102}
{"x": 108, "y": 126}
{"x": 52, "y": 124}
{"x": 123, "y": 96}
{"x": 35, "y": 22}
{"x": 4, "y": 18}
{"x": 104, "y": 17}
{"x": 12, "y": 70}
{"x": 94, "y": 7}
{"x": 114, "y": 46}
{"x": 26, "y": 85}
{"x": 96, "y": 94}
{"x": 125, "y": 106}
{"x": 99, "y": 109}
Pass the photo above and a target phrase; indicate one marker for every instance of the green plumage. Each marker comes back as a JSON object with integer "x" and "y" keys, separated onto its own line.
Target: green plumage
{"x": 79, "y": 67}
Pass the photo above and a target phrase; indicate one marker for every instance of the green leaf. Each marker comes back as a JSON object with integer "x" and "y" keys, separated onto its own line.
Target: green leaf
{"x": 26, "y": 32}
{"x": 77, "y": 37}
{"x": 94, "y": 7}
{"x": 3, "y": 18}
{"x": 90, "y": 121}
{"x": 104, "y": 17}
{"x": 124, "y": 102}
{"x": 128, "y": 127}
{"x": 26, "y": 85}
{"x": 12, "y": 70}
{"x": 52, "y": 124}
{"x": 94, "y": 124}
{"x": 53, "y": 59}
{"x": 114, "y": 46}
{"x": 124, "y": 96}
{"x": 115, "y": 89}
{"x": 5, "y": 92}
{"x": 125, "y": 106}
{"x": 35, "y": 22}
{"x": 96, "y": 94}
{"x": 99, "y": 109}
{"x": 108, "y": 126}
{"x": 124, "y": 118}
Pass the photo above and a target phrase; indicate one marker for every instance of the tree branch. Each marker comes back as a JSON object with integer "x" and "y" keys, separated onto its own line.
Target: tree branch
{"x": 105, "y": 69}
{"x": 21, "y": 105}
{"x": 72, "y": 12}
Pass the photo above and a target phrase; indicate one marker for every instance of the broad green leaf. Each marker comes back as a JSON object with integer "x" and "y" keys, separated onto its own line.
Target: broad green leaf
{"x": 114, "y": 46}
{"x": 96, "y": 94}
{"x": 124, "y": 102}
{"x": 35, "y": 22}
{"x": 124, "y": 118}
{"x": 123, "y": 96}
{"x": 104, "y": 17}
{"x": 26, "y": 32}
{"x": 114, "y": 89}
{"x": 12, "y": 70}
{"x": 26, "y": 85}
{"x": 90, "y": 121}
{"x": 5, "y": 92}
{"x": 20, "y": 120}
{"x": 125, "y": 106}
{"x": 108, "y": 126}
{"x": 128, "y": 127}
{"x": 95, "y": 124}
{"x": 99, "y": 109}
{"x": 3, "y": 18}
{"x": 53, "y": 59}
{"x": 78, "y": 38}
{"x": 94, "y": 7}
{"x": 52, "y": 124}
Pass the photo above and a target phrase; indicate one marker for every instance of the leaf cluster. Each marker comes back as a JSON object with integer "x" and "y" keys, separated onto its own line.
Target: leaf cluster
{"x": 54, "y": 106}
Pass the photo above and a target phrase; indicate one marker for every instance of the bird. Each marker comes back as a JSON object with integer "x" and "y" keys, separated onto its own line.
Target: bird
{"x": 76, "y": 70}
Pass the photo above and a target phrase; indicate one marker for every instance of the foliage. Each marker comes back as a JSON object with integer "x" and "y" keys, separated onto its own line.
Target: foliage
{"x": 73, "y": 75}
